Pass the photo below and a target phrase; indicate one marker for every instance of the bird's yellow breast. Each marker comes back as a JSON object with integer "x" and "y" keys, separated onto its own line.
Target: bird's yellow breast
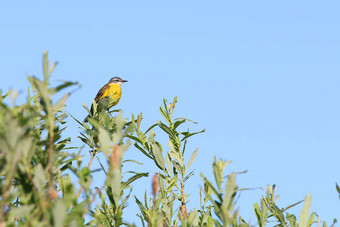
{"x": 114, "y": 92}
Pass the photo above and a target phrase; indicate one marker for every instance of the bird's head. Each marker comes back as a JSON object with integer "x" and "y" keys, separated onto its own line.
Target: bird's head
{"x": 117, "y": 80}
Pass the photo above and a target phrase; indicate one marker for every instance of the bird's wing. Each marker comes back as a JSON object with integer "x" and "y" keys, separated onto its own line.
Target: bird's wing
{"x": 99, "y": 96}
{"x": 101, "y": 92}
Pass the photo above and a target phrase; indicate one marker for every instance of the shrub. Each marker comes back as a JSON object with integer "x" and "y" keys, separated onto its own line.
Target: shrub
{"x": 36, "y": 160}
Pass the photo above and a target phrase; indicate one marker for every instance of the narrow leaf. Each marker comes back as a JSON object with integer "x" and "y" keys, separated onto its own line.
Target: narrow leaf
{"x": 61, "y": 102}
{"x": 192, "y": 158}
{"x": 159, "y": 159}
{"x": 292, "y": 220}
{"x": 168, "y": 164}
{"x": 175, "y": 155}
{"x": 305, "y": 211}
{"x": 311, "y": 219}
{"x": 187, "y": 135}
{"x": 229, "y": 191}
{"x": 116, "y": 185}
{"x": 133, "y": 178}
{"x": 65, "y": 85}
{"x": 105, "y": 141}
{"x": 143, "y": 151}
{"x": 59, "y": 213}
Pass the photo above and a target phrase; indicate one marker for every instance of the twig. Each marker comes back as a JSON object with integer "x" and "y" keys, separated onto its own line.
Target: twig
{"x": 50, "y": 156}
{"x": 91, "y": 200}
{"x": 41, "y": 204}
{"x": 183, "y": 207}
{"x": 89, "y": 166}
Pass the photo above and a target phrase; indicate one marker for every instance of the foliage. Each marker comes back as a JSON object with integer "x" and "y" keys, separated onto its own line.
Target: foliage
{"x": 37, "y": 160}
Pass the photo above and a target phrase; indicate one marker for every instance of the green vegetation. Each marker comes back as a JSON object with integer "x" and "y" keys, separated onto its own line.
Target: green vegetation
{"x": 36, "y": 161}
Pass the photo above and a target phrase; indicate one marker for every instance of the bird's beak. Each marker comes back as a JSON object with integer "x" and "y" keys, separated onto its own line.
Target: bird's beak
{"x": 125, "y": 81}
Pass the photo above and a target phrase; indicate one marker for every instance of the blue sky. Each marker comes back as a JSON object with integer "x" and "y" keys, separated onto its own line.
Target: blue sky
{"x": 262, "y": 77}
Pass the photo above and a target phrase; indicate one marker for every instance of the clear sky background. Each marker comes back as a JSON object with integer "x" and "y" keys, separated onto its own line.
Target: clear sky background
{"x": 262, "y": 77}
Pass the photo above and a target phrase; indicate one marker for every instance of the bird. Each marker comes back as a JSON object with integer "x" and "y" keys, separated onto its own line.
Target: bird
{"x": 111, "y": 89}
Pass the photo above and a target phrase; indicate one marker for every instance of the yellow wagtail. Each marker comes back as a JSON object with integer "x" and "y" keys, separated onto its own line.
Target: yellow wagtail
{"x": 111, "y": 89}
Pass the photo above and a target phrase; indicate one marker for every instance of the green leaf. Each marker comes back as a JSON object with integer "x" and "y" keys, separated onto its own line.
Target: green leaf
{"x": 39, "y": 177}
{"x": 218, "y": 168}
{"x": 178, "y": 123}
{"x": 211, "y": 186}
{"x": 151, "y": 127}
{"x": 139, "y": 120}
{"x": 210, "y": 222}
{"x": 59, "y": 213}
{"x": 337, "y": 188}
{"x": 192, "y": 158}
{"x": 258, "y": 214}
{"x": 142, "y": 209}
{"x": 46, "y": 66}
{"x": 181, "y": 118}
{"x": 133, "y": 178}
{"x": 100, "y": 193}
{"x": 265, "y": 212}
{"x": 171, "y": 184}
{"x": 292, "y": 220}
{"x": 134, "y": 161}
{"x": 229, "y": 191}
{"x": 305, "y": 211}
{"x": 193, "y": 218}
{"x": 117, "y": 135}
{"x": 142, "y": 150}
{"x": 142, "y": 138}
{"x": 177, "y": 167}
{"x": 2, "y": 97}
{"x": 101, "y": 165}
{"x": 290, "y": 206}
{"x": 105, "y": 141}
{"x": 76, "y": 119}
{"x": 22, "y": 211}
{"x": 167, "y": 130}
{"x": 61, "y": 103}
{"x": 52, "y": 67}
{"x": 165, "y": 115}
{"x": 187, "y": 134}
{"x": 189, "y": 175}
{"x": 311, "y": 219}
{"x": 116, "y": 185}
{"x": 151, "y": 139}
{"x": 43, "y": 92}
{"x": 85, "y": 171}
{"x": 86, "y": 108}
{"x": 175, "y": 155}
{"x": 168, "y": 164}
{"x": 134, "y": 138}
{"x": 133, "y": 121}
{"x": 65, "y": 85}
{"x": 23, "y": 148}
{"x": 159, "y": 160}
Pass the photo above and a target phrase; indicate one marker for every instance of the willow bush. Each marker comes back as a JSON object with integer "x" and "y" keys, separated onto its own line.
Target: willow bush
{"x": 37, "y": 158}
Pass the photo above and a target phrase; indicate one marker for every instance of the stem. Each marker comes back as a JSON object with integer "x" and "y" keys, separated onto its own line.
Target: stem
{"x": 5, "y": 188}
{"x": 183, "y": 206}
{"x": 81, "y": 187}
{"x": 36, "y": 192}
{"x": 91, "y": 201}
{"x": 50, "y": 156}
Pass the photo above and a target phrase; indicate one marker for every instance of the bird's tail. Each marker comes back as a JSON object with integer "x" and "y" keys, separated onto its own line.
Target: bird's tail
{"x": 85, "y": 119}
